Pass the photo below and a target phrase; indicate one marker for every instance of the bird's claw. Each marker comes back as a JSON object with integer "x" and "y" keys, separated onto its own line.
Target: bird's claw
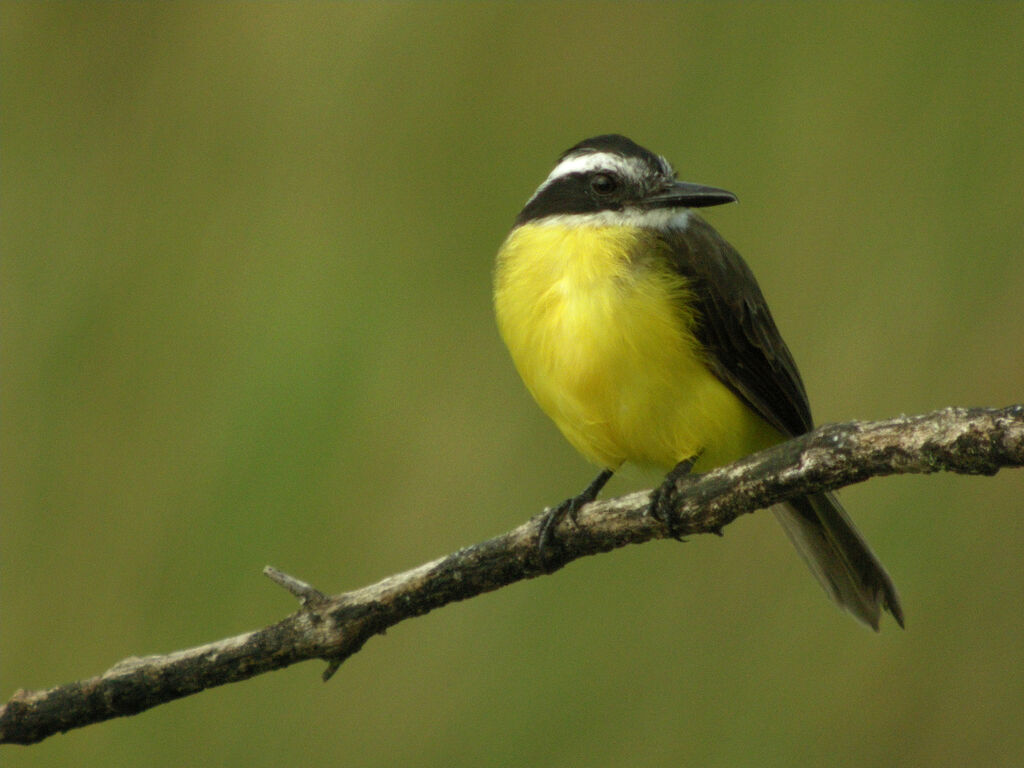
{"x": 570, "y": 507}
{"x": 664, "y": 505}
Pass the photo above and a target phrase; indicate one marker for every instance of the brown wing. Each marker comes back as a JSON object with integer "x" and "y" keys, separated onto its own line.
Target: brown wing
{"x": 745, "y": 349}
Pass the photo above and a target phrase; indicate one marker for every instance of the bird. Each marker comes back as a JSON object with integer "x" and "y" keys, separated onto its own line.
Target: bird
{"x": 643, "y": 334}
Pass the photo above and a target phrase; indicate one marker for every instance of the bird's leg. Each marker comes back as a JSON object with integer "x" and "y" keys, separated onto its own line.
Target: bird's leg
{"x": 569, "y": 507}
{"x": 664, "y": 506}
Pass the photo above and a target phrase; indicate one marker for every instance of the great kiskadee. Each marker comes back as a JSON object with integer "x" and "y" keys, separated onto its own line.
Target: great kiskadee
{"x": 644, "y": 336}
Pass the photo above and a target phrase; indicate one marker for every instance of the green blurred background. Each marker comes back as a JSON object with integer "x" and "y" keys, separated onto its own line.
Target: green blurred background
{"x": 246, "y": 320}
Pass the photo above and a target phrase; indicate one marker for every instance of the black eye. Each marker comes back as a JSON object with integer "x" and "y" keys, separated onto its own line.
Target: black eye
{"x": 603, "y": 184}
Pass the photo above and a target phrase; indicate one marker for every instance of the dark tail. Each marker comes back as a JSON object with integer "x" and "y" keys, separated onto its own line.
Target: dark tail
{"x": 839, "y": 557}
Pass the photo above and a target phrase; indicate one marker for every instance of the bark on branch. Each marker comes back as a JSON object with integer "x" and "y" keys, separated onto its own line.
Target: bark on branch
{"x": 975, "y": 441}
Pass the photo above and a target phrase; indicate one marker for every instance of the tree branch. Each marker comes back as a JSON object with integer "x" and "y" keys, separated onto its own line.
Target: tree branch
{"x": 975, "y": 441}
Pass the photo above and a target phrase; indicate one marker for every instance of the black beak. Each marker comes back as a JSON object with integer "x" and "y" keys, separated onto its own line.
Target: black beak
{"x": 682, "y": 194}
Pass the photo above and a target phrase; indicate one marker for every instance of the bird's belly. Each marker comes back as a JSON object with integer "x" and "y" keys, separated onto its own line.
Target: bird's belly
{"x": 624, "y": 387}
{"x": 610, "y": 355}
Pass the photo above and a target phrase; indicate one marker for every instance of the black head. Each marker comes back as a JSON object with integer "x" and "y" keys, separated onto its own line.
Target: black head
{"x": 611, "y": 173}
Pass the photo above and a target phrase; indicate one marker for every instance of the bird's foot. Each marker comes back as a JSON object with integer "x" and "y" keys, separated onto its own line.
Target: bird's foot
{"x": 570, "y": 507}
{"x": 664, "y": 506}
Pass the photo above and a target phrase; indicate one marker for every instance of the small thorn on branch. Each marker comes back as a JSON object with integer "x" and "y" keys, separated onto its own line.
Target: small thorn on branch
{"x": 306, "y": 594}
{"x": 332, "y": 667}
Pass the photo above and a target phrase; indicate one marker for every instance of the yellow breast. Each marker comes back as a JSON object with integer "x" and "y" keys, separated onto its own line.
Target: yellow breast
{"x": 601, "y": 331}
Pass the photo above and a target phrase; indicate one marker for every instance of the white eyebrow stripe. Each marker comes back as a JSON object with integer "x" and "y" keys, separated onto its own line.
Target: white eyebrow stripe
{"x": 591, "y": 161}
